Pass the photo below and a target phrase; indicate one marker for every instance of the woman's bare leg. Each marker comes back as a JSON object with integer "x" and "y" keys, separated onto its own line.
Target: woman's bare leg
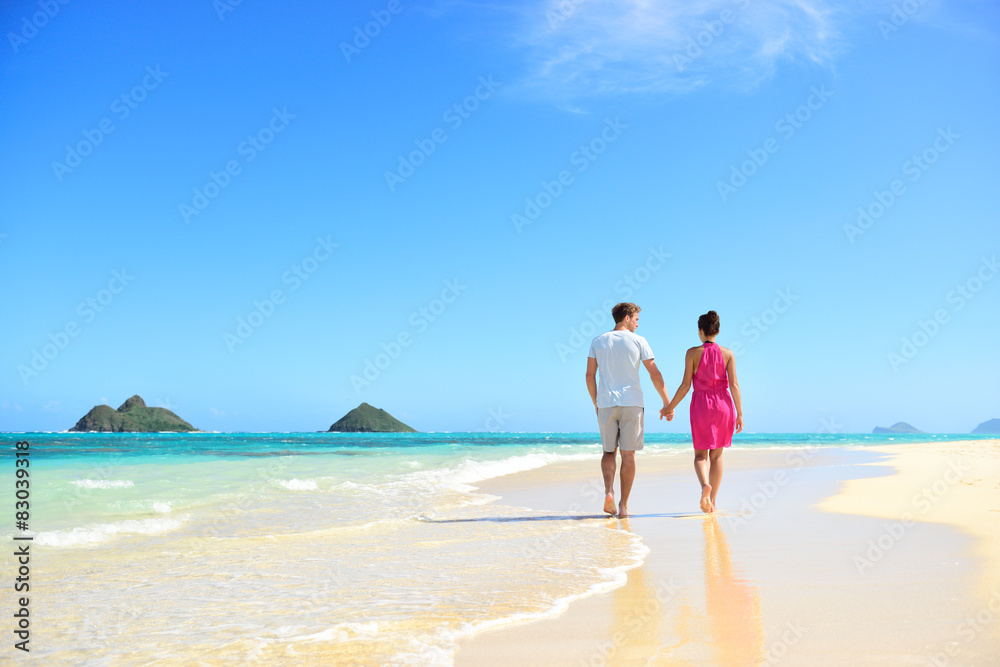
{"x": 701, "y": 468}
{"x": 715, "y": 472}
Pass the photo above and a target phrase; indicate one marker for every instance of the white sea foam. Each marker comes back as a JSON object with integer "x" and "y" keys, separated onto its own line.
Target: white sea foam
{"x": 414, "y": 490}
{"x": 441, "y": 649}
{"x": 140, "y": 506}
{"x": 341, "y": 632}
{"x": 470, "y": 471}
{"x": 103, "y": 483}
{"x": 101, "y": 532}
{"x": 298, "y": 484}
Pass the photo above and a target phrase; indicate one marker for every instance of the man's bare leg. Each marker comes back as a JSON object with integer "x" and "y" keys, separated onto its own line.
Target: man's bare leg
{"x": 701, "y": 468}
{"x": 608, "y": 468}
{"x": 715, "y": 472}
{"x": 627, "y": 475}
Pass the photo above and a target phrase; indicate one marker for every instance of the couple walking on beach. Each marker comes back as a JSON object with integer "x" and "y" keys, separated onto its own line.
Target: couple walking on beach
{"x": 615, "y": 357}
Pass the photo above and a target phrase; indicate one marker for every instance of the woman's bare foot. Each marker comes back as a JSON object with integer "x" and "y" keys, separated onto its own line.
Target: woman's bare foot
{"x": 609, "y": 503}
{"x": 706, "y": 499}
{"x": 622, "y": 511}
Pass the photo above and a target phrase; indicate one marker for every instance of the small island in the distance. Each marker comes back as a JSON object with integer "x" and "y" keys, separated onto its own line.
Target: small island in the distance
{"x": 132, "y": 417}
{"x": 367, "y": 419}
{"x": 135, "y": 417}
{"x": 991, "y": 426}
{"x": 898, "y": 427}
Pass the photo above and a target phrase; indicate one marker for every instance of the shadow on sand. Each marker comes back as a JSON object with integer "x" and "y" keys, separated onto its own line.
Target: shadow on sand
{"x": 564, "y": 517}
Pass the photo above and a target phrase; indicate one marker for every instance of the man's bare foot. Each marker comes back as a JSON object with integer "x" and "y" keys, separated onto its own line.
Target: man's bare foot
{"x": 706, "y": 499}
{"x": 609, "y": 503}
{"x": 622, "y": 511}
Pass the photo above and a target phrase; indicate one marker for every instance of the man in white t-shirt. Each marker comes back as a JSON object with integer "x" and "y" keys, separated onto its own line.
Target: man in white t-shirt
{"x": 618, "y": 398}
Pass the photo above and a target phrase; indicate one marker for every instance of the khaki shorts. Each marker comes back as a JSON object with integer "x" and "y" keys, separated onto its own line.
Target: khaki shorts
{"x": 621, "y": 427}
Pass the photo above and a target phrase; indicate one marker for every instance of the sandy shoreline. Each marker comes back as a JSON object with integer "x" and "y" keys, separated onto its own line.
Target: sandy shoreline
{"x": 834, "y": 556}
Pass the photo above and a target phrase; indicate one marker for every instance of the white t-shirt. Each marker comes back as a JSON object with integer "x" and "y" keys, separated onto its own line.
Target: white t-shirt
{"x": 618, "y": 355}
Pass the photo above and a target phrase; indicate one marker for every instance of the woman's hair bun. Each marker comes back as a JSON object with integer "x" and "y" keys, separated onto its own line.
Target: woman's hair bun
{"x": 709, "y": 323}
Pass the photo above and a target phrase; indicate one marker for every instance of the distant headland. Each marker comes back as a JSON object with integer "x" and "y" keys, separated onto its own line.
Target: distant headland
{"x": 132, "y": 416}
{"x": 898, "y": 427}
{"x": 367, "y": 419}
{"x": 991, "y": 426}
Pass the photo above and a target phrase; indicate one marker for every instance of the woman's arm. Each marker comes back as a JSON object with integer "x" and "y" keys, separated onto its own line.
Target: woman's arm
{"x": 682, "y": 390}
{"x": 734, "y": 387}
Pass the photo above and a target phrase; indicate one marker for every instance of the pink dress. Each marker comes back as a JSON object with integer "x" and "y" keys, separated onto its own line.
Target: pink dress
{"x": 713, "y": 417}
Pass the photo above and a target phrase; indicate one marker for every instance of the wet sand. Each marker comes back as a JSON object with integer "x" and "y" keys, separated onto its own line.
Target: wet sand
{"x": 832, "y": 556}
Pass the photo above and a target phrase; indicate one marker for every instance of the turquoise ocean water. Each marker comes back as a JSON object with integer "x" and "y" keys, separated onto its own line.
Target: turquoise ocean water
{"x": 378, "y": 545}
{"x": 92, "y": 487}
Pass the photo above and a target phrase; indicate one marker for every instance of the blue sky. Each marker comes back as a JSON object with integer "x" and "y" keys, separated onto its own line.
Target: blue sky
{"x": 234, "y": 210}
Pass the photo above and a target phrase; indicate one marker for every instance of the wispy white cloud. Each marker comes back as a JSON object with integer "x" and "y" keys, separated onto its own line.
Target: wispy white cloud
{"x": 590, "y": 48}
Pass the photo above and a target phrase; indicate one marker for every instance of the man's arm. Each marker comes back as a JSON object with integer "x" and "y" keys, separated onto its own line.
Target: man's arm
{"x": 592, "y": 380}
{"x": 657, "y": 378}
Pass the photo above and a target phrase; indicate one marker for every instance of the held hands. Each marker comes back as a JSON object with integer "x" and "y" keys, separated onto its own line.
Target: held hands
{"x": 667, "y": 412}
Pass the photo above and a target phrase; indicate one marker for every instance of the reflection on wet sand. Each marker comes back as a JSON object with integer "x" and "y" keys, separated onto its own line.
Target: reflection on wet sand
{"x": 733, "y": 605}
{"x": 635, "y": 631}
{"x": 669, "y": 629}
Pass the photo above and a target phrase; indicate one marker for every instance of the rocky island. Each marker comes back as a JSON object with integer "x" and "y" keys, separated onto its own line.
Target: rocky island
{"x": 132, "y": 416}
{"x": 898, "y": 427}
{"x": 367, "y": 419}
{"x": 991, "y": 426}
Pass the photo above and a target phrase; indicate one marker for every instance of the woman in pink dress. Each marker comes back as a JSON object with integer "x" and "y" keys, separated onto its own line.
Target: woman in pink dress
{"x": 712, "y": 371}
